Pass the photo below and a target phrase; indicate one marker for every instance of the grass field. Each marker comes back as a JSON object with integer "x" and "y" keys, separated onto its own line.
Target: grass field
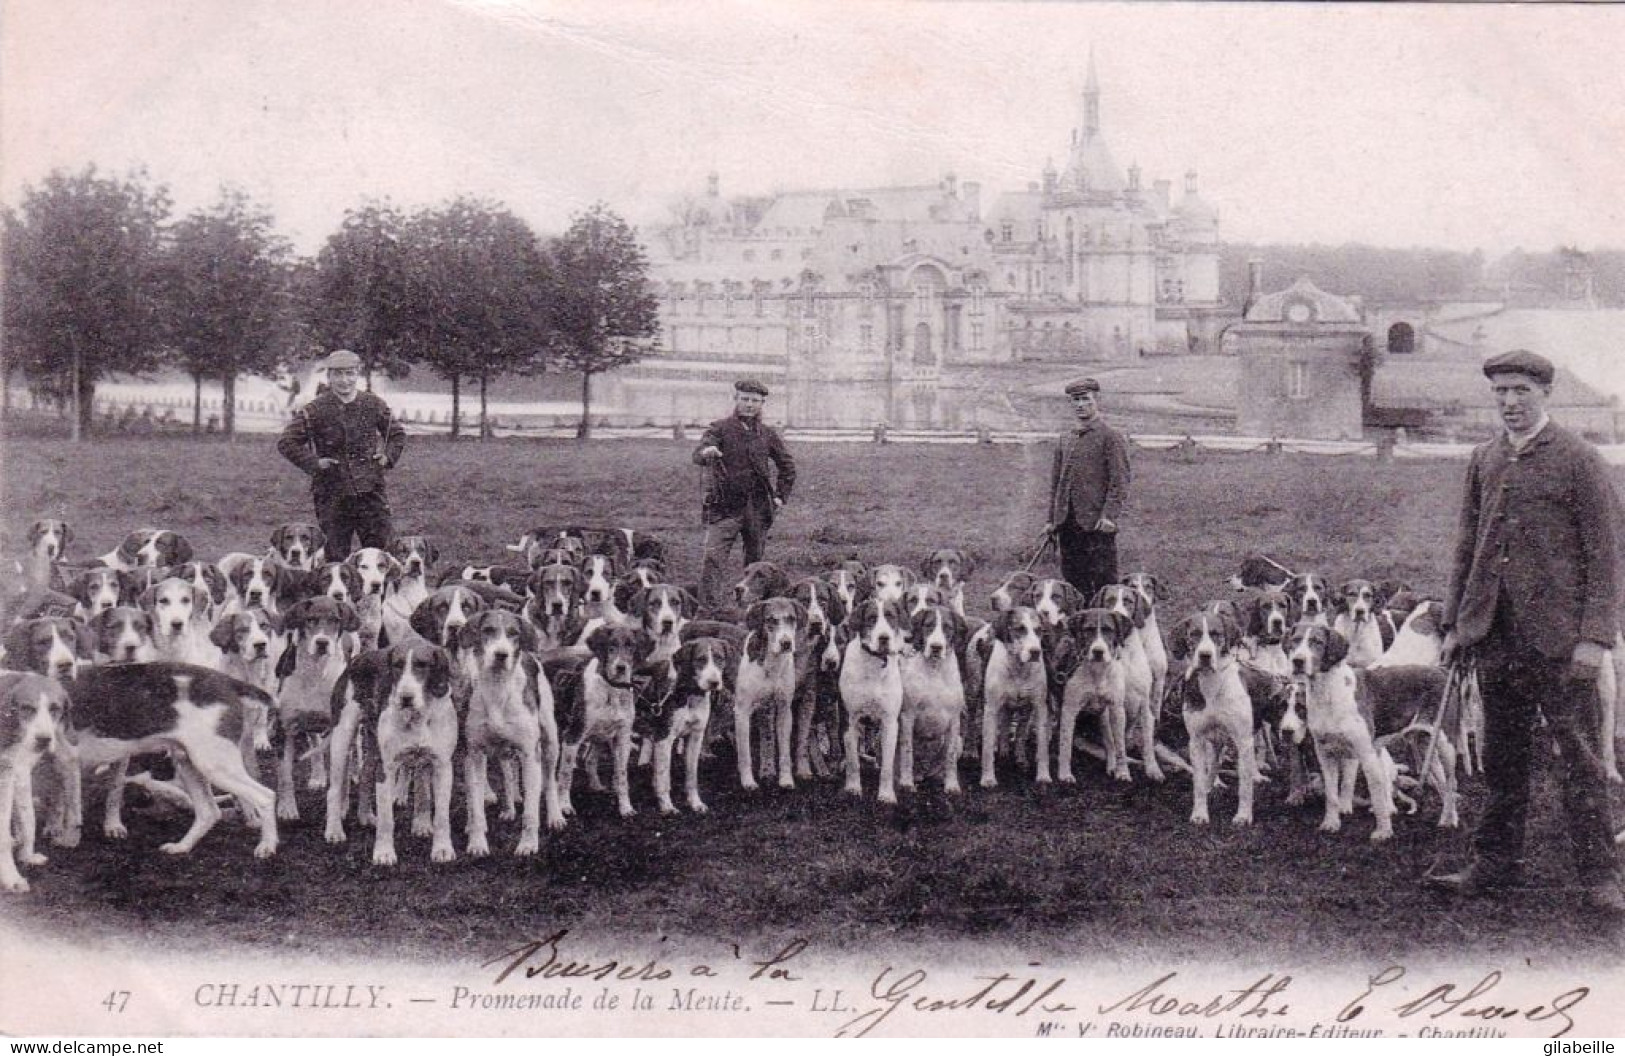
{"x": 1099, "y": 868}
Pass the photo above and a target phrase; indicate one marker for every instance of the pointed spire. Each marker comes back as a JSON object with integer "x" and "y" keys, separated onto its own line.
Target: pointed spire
{"x": 1091, "y": 98}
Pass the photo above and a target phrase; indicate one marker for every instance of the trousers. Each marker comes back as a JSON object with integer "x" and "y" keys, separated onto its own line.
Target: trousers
{"x": 1088, "y": 559}
{"x": 1518, "y": 683}
{"x": 720, "y": 537}
{"x": 366, "y": 516}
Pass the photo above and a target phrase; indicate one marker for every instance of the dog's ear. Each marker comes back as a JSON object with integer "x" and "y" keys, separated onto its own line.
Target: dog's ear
{"x": 598, "y": 642}
{"x": 147, "y": 598}
{"x": 1179, "y": 639}
{"x": 85, "y": 640}
{"x": 439, "y": 672}
{"x": 423, "y": 619}
{"x": 224, "y": 633}
{"x": 1125, "y": 626}
{"x": 643, "y": 644}
{"x": 632, "y": 598}
{"x": 1073, "y": 598}
{"x": 1002, "y": 623}
{"x": 529, "y": 641}
{"x": 67, "y": 535}
{"x": 289, "y": 660}
{"x": 917, "y": 626}
{"x": 318, "y": 539}
{"x": 349, "y": 618}
{"x": 201, "y": 599}
{"x": 182, "y": 548}
{"x": 1337, "y": 648}
{"x": 800, "y": 612}
{"x": 754, "y": 617}
{"x": 688, "y": 606}
{"x": 468, "y": 635}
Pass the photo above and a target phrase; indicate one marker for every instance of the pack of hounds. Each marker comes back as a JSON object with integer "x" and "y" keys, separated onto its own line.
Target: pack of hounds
{"x": 389, "y": 675}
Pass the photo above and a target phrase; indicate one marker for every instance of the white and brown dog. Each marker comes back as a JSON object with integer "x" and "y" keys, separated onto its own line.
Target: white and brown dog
{"x": 553, "y": 606}
{"x": 597, "y": 700}
{"x": 1055, "y": 600}
{"x": 33, "y": 714}
{"x": 1220, "y": 710}
{"x": 1016, "y": 679}
{"x": 299, "y": 546}
{"x": 149, "y": 548}
{"x": 1356, "y": 607}
{"x": 53, "y": 646}
{"x": 250, "y": 643}
{"x": 96, "y": 590}
{"x": 320, "y": 644}
{"x": 398, "y": 702}
{"x": 510, "y": 710}
{"x": 1311, "y": 597}
{"x": 888, "y": 582}
{"x": 123, "y": 635}
{"x": 180, "y": 622}
{"x": 1151, "y": 591}
{"x": 701, "y": 671}
{"x": 871, "y": 684}
{"x": 1140, "y": 705}
{"x": 933, "y": 693}
{"x": 1342, "y": 735}
{"x": 1096, "y": 684}
{"x": 202, "y": 718}
{"x": 767, "y": 680}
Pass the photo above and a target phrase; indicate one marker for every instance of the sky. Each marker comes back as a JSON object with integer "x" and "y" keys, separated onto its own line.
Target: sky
{"x": 1463, "y": 126}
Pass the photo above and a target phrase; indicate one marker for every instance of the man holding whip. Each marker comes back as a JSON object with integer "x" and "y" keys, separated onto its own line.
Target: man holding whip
{"x": 743, "y": 454}
{"x": 1533, "y": 597}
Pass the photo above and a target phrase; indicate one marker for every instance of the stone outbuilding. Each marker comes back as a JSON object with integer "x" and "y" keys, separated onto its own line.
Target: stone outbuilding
{"x": 1298, "y": 359}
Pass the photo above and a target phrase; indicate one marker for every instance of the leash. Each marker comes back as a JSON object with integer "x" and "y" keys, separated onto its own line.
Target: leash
{"x": 1277, "y": 565}
{"x": 1044, "y": 544}
{"x": 1454, "y": 678}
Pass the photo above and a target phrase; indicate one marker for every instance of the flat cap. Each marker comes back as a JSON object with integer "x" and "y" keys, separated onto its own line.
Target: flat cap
{"x": 342, "y": 359}
{"x": 1081, "y": 386}
{"x": 1521, "y": 361}
{"x": 750, "y": 385}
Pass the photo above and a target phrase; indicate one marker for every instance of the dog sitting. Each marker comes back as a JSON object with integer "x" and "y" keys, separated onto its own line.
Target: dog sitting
{"x": 818, "y": 659}
{"x": 180, "y": 624}
{"x": 1139, "y": 704}
{"x": 1342, "y": 735}
{"x": 1356, "y": 607}
{"x": 933, "y": 693}
{"x": 398, "y": 702}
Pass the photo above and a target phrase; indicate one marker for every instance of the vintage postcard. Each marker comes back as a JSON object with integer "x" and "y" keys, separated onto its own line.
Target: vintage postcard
{"x": 527, "y": 518}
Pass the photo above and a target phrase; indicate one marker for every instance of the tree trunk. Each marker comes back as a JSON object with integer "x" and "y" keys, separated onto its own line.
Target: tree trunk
{"x": 485, "y": 428}
{"x": 584, "y": 430}
{"x": 197, "y": 403}
{"x": 85, "y": 400}
{"x": 456, "y": 404}
{"x": 76, "y": 423}
{"x": 228, "y": 403}
{"x": 5, "y": 388}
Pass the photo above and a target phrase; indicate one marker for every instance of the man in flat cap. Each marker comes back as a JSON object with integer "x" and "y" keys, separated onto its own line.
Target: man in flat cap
{"x": 1089, "y": 484}
{"x": 743, "y": 455}
{"x": 1533, "y": 600}
{"x": 343, "y": 440}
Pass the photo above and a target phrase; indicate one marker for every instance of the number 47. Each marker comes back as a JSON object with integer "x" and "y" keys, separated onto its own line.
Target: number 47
{"x": 116, "y": 1000}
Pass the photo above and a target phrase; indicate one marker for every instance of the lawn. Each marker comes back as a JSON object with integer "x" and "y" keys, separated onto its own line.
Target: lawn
{"x": 1101, "y": 868}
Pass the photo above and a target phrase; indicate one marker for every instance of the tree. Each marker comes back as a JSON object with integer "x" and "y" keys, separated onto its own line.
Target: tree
{"x": 603, "y": 313}
{"x": 228, "y": 286}
{"x": 355, "y": 294}
{"x": 474, "y": 289}
{"x": 83, "y": 290}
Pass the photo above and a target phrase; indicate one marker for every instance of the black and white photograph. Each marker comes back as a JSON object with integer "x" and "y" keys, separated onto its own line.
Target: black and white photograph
{"x": 543, "y": 518}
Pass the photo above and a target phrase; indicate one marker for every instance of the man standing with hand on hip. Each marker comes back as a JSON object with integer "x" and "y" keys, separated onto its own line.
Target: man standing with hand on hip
{"x": 743, "y": 494}
{"x": 343, "y": 440}
{"x": 1088, "y": 488}
{"x": 1533, "y": 598}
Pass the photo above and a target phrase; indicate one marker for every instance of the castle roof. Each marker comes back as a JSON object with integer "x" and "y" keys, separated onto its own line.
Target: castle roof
{"x": 1323, "y": 307}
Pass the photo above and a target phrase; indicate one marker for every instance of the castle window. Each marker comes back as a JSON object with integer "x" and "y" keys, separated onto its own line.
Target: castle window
{"x": 866, "y": 336}
{"x": 978, "y": 295}
{"x": 976, "y": 337}
{"x": 1297, "y": 380}
{"x": 1401, "y": 340}
{"x": 1007, "y": 232}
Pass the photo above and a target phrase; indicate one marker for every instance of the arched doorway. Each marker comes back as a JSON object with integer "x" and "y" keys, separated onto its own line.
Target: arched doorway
{"x": 1401, "y": 339}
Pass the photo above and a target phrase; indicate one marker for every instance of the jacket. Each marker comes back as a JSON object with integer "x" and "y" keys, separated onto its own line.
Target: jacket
{"x": 352, "y": 433}
{"x": 1090, "y": 476}
{"x": 744, "y": 476}
{"x": 1537, "y": 527}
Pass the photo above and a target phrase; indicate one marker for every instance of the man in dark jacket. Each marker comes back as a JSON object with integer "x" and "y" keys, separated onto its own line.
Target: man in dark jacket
{"x": 743, "y": 493}
{"x": 1533, "y": 596}
{"x": 1088, "y": 488}
{"x": 344, "y": 439}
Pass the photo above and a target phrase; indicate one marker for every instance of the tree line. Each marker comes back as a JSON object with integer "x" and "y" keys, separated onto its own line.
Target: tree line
{"x": 100, "y": 278}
